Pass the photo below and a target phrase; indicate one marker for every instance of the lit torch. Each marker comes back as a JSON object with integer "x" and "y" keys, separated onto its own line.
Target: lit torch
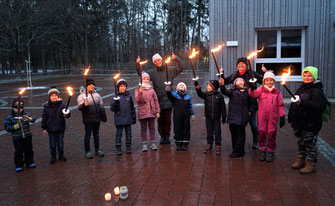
{"x": 85, "y": 79}
{"x": 19, "y": 106}
{"x": 253, "y": 79}
{"x": 70, "y": 91}
{"x": 116, "y": 90}
{"x": 194, "y": 53}
{"x": 141, "y": 63}
{"x": 294, "y": 98}
{"x": 218, "y": 48}
{"x": 166, "y": 71}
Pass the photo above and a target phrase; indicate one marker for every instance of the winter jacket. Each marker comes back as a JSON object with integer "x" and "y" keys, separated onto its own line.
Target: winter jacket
{"x": 147, "y": 101}
{"x": 240, "y": 104}
{"x": 215, "y": 107}
{"x": 24, "y": 128}
{"x": 158, "y": 77}
{"x": 270, "y": 106}
{"x": 307, "y": 116}
{"x": 90, "y": 113}
{"x": 182, "y": 105}
{"x": 124, "y": 109}
{"x": 53, "y": 118}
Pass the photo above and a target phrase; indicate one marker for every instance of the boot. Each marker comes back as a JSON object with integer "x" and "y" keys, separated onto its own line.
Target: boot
{"x": 118, "y": 150}
{"x": 53, "y": 159}
{"x": 184, "y": 146}
{"x": 261, "y": 155}
{"x": 61, "y": 157}
{"x": 298, "y": 163}
{"x": 309, "y": 168}
{"x": 270, "y": 156}
{"x": 179, "y": 146}
{"x": 208, "y": 148}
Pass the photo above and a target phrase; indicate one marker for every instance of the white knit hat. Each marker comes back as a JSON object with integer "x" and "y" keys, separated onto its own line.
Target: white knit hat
{"x": 144, "y": 74}
{"x": 156, "y": 56}
{"x": 269, "y": 74}
{"x": 181, "y": 83}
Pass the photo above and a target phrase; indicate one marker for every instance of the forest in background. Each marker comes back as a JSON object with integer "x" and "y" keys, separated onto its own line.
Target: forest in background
{"x": 67, "y": 35}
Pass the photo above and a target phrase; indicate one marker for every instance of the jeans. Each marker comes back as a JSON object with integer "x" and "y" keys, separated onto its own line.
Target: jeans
{"x": 118, "y": 136}
{"x": 23, "y": 152}
{"x": 89, "y": 127}
{"x": 254, "y": 127}
{"x": 56, "y": 139}
{"x": 213, "y": 127}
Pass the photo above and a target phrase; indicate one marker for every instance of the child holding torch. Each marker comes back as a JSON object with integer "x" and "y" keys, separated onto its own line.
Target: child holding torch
{"x": 271, "y": 106}
{"x": 148, "y": 110}
{"x": 53, "y": 123}
{"x": 18, "y": 123}
{"x": 305, "y": 116}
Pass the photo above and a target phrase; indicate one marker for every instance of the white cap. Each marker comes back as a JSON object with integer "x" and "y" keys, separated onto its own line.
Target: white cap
{"x": 156, "y": 56}
{"x": 269, "y": 74}
{"x": 181, "y": 83}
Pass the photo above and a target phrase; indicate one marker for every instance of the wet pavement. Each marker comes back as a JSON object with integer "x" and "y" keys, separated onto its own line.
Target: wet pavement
{"x": 163, "y": 177}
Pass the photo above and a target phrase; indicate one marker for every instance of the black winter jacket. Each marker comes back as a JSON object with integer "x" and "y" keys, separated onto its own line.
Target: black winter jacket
{"x": 240, "y": 104}
{"x": 215, "y": 107}
{"x": 53, "y": 118}
{"x": 92, "y": 112}
{"x": 307, "y": 116}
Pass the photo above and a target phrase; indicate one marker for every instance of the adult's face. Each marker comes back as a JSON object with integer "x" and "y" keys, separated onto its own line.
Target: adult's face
{"x": 307, "y": 77}
{"x": 241, "y": 66}
{"x": 158, "y": 62}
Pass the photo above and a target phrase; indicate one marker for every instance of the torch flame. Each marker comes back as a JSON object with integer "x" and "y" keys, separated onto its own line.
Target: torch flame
{"x": 255, "y": 52}
{"x": 193, "y": 53}
{"x": 86, "y": 70}
{"x": 167, "y": 60}
{"x": 285, "y": 76}
{"x": 143, "y": 62}
{"x": 116, "y": 76}
{"x": 218, "y": 48}
{"x": 69, "y": 90}
{"x": 22, "y": 91}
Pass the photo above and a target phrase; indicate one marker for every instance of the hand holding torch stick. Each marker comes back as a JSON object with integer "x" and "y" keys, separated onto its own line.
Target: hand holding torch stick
{"x": 85, "y": 79}
{"x": 253, "y": 79}
{"x": 116, "y": 90}
{"x": 19, "y": 105}
{"x": 66, "y": 110}
{"x": 218, "y": 48}
{"x": 294, "y": 98}
{"x": 167, "y": 71}
{"x": 141, "y": 63}
{"x": 194, "y": 53}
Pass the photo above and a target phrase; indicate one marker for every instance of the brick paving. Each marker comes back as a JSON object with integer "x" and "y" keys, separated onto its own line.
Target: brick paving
{"x": 163, "y": 177}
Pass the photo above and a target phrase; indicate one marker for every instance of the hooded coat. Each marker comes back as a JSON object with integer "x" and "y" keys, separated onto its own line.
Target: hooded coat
{"x": 53, "y": 118}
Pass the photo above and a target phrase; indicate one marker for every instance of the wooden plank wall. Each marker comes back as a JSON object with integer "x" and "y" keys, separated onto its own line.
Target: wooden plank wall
{"x": 237, "y": 20}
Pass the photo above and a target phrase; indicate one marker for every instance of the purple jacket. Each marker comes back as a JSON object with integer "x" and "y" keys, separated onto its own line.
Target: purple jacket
{"x": 148, "y": 105}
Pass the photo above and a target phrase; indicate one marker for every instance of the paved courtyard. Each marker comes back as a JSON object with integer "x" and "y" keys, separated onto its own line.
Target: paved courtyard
{"x": 163, "y": 177}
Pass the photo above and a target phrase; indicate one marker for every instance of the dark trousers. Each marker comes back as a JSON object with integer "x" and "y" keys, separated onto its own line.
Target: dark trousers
{"x": 307, "y": 145}
{"x": 23, "y": 152}
{"x": 89, "y": 127}
{"x": 213, "y": 127}
{"x": 147, "y": 122}
{"x": 164, "y": 123}
{"x": 254, "y": 127}
{"x": 237, "y": 138}
{"x": 118, "y": 136}
{"x": 181, "y": 129}
{"x": 56, "y": 140}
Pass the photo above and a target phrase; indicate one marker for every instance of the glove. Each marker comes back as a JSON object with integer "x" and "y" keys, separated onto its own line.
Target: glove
{"x": 196, "y": 83}
{"x": 116, "y": 105}
{"x": 223, "y": 120}
{"x": 134, "y": 121}
{"x": 282, "y": 121}
{"x": 253, "y": 87}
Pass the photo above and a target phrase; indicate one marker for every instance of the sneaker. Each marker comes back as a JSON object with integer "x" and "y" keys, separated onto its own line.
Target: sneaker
{"x": 254, "y": 146}
{"x": 61, "y": 158}
{"x": 217, "y": 150}
{"x": 167, "y": 140}
{"x": 153, "y": 146}
{"x": 33, "y": 165}
{"x": 163, "y": 140}
{"x": 208, "y": 148}
{"x": 53, "y": 159}
{"x": 19, "y": 169}
{"x": 100, "y": 153}
{"x": 128, "y": 150}
{"x": 145, "y": 147}
{"x": 179, "y": 146}
{"x": 88, "y": 155}
{"x": 261, "y": 155}
{"x": 270, "y": 156}
{"x": 118, "y": 150}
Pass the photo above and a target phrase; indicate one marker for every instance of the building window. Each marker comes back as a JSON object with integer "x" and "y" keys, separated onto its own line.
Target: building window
{"x": 283, "y": 48}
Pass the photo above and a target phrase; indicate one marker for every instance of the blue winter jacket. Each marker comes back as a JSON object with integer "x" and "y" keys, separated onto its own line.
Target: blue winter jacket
{"x": 124, "y": 110}
{"x": 53, "y": 118}
{"x": 24, "y": 128}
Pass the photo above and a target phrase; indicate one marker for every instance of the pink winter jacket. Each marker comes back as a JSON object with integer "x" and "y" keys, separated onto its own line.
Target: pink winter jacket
{"x": 270, "y": 103}
{"x": 147, "y": 101}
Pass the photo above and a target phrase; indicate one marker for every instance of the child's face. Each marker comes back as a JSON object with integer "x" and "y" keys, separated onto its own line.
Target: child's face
{"x": 240, "y": 82}
{"x": 209, "y": 88}
{"x": 181, "y": 87}
{"x": 122, "y": 88}
{"x": 307, "y": 77}
{"x": 53, "y": 97}
{"x": 145, "y": 80}
{"x": 90, "y": 87}
{"x": 16, "y": 109}
{"x": 269, "y": 82}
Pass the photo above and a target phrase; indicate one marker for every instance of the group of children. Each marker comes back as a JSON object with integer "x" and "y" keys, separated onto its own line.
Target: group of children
{"x": 241, "y": 107}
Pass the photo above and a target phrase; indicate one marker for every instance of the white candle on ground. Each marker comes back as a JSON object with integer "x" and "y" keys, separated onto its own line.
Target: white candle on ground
{"x": 108, "y": 196}
{"x": 116, "y": 190}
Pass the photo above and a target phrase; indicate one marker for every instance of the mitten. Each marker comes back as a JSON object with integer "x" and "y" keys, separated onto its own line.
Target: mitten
{"x": 282, "y": 121}
{"x": 116, "y": 105}
{"x": 196, "y": 83}
{"x": 253, "y": 87}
